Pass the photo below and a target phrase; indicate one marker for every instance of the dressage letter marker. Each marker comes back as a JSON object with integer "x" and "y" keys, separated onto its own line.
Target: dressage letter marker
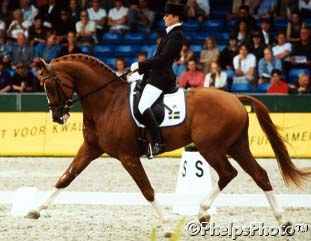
{"x": 194, "y": 181}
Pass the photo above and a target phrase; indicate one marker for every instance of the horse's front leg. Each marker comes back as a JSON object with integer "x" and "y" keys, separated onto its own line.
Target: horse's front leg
{"x": 85, "y": 155}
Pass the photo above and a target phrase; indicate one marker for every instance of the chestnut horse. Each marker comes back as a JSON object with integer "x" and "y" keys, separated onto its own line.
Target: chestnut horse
{"x": 216, "y": 122}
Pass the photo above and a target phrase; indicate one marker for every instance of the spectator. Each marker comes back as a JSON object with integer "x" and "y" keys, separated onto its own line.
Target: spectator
{"x": 29, "y": 11}
{"x": 63, "y": 26}
{"x": 243, "y": 34}
{"x": 48, "y": 50}
{"x": 141, "y": 17}
{"x": 266, "y": 65}
{"x": 141, "y": 57}
{"x": 120, "y": 65}
{"x": 257, "y": 46}
{"x": 302, "y": 86}
{"x": 117, "y": 17}
{"x": 244, "y": 14}
{"x": 209, "y": 54}
{"x": 2, "y": 31}
{"x": 294, "y": 27}
{"x": 228, "y": 53}
{"x": 22, "y": 51}
{"x": 305, "y": 8}
{"x": 265, "y": 8}
{"x": 186, "y": 54}
{"x": 5, "y": 79}
{"x": 194, "y": 11}
{"x": 74, "y": 11}
{"x": 301, "y": 54}
{"x": 216, "y": 78}
{"x": 5, "y": 55}
{"x": 287, "y": 7}
{"x": 17, "y": 25}
{"x": 37, "y": 32}
{"x": 191, "y": 77}
{"x": 23, "y": 80}
{"x": 71, "y": 46}
{"x": 5, "y": 12}
{"x": 85, "y": 29}
{"x": 266, "y": 34}
{"x": 99, "y": 16}
{"x": 278, "y": 86}
{"x": 50, "y": 13}
{"x": 244, "y": 65}
{"x": 282, "y": 49}
{"x": 205, "y": 6}
{"x": 236, "y": 4}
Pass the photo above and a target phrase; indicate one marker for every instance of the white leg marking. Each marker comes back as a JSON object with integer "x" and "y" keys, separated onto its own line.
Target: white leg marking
{"x": 210, "y": 198}
{"x": 48, "y": 200}
{"x": 277, "y": 210}
{"x": 160, "y": 210}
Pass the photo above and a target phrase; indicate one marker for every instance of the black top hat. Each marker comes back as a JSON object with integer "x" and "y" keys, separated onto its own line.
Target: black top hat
{"x": 176, "y": 9}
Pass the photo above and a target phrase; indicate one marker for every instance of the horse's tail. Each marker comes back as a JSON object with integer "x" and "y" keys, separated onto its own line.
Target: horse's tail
{"x": 290, "y": 173}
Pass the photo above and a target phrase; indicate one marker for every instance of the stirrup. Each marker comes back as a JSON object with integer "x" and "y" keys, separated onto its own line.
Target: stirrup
{"x": 158, "y": 148}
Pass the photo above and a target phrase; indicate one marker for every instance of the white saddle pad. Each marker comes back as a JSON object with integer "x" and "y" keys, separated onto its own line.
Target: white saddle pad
{"x": 175, "y": 102}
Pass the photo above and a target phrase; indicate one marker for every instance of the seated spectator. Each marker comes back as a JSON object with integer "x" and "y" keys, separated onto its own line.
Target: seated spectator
{"x": 186, "y": 54}
{"x": 305, "y": 8}
{"x": 266, "y": 65}
{"x": 5, "y": 55}
{"x": 287, "y": 7}
{"x": 236, "y": 5}
{"x": 141, "y": 17}
{"x": 29, "y": 11}
{"x": 243, "y": 34}
{"x": 257, "y": 46}
{"x": 301, "y": 54}
{"x": 191, "y": 77}
{"x": 22, "y": 51}
{"x": 117, "y": 17}
{"x": 194, "y": 11}
{"x": 48, "y": 50}
{"x": 141, "y": 57}
{"x": 5, "y": 79}
{"x": 209, "y": 54}
{"x": 99, "y": 16}
{"x": 228, "y": 53}
{"x": 5, "y": 12}
{"x": 63, "y": 26}
{"x": 265, "y": 8}
{"x": 266, "y": 33}
{"x": 294, "y": 27}
{"x": 86, "y": 30}
{"x": 120, "y": 65}
{"x": 37, "y": 32}
{"x": 18, "y": 25}
{"x": 282, "y": 49}
{"x": 244, "y": 65}
{"x": 216, "y": 78}
{"x": 23, "y": 80}
{"x": 50, "y": 13}
{"x": 278, "y": 86}
{"x": 71, "y": 46}
{"x": 302, "y": 86}
{"x": 244, "y": 14}
{"x": 205, "y": 6}
{"x": 74, "y": 11}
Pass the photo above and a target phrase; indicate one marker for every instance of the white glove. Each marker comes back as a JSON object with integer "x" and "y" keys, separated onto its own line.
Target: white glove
{"x": 134, "y": 67}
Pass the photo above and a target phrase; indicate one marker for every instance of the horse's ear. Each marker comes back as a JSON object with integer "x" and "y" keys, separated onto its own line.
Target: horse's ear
{"x": 43, "y": 64}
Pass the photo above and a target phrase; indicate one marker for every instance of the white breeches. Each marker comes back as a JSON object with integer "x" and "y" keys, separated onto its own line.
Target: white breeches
{"x": 149, "y": 96}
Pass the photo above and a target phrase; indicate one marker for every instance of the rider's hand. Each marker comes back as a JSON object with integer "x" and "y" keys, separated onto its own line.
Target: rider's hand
{"x": 134, "y": 67}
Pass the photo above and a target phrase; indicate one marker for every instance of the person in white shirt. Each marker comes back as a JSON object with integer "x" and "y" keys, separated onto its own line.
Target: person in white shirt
{"x": 216, "y": 78}
{"x": 244, "y": 65}
{"x": 29, "y": 11}
{"x": 98, "y": 15}
{"x": 283, "y": 49}
{"x": 117, "y": 17}
{"x": 305, "y": 8}
{"x": 85, "y": 29}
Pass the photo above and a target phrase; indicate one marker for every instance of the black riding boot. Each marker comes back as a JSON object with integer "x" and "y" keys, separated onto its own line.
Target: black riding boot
{"x": 153, "y": 126}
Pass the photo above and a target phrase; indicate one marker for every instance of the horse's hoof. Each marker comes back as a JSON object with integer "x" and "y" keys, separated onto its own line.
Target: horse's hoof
{"x": 168, "y": 234}
{"x": 204, "y": 220}
{"x": 33, "y": 215}
{"x": 288, "y": 229}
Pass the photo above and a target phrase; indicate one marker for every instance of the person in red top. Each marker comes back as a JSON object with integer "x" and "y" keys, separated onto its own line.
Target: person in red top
{"x": 278, "y": 86}
{"x": 191, "y": 77}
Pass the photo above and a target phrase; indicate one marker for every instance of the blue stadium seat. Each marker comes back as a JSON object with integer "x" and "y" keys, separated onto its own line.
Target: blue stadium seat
{"x": 191, "y": 25}
{"x": 214, "y": 25}
{"x": 11, "y": 72}
{"x": 230, "y": 24}
{"x": 221, "y": 12}
{"x": 111, "y": 38}
{"x": 199, "y": 38}
{"x": 196, "y": 48}
{"x": 294, "y": 73}
{"x": 134, "y": 38}
{"x": 262, "y": 88}
{"x": 86, "y": 49}
{"x": 109, "y": 61}
{"x": 130, "y": 60}
{"x": 221, "y": 47}
{"x": 160, "y": 24}
{"x": 126, "y": 50}
{"x": 221, "y": 38}
{"x": 280, "y": 24}
{"x": 103, "y": 51}
{"x": 152, "y": 38}
{"x": 241, "y": 88}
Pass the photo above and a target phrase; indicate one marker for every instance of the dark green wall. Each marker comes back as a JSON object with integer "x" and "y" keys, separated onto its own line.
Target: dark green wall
{"x": 37, "y": 102}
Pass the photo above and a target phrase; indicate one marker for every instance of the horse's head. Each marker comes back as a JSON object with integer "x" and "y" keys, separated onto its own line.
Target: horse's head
{"x": 59, "y": 90}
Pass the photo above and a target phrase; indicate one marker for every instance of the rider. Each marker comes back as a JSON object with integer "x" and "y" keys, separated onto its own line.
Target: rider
{"x": 158, "y": 70}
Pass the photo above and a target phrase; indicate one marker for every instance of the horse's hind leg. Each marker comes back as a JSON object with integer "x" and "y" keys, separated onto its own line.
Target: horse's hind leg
{"x": 226, "y": 173}
{"x": 85, "y": 155}
{"x": 241, "y": 153}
